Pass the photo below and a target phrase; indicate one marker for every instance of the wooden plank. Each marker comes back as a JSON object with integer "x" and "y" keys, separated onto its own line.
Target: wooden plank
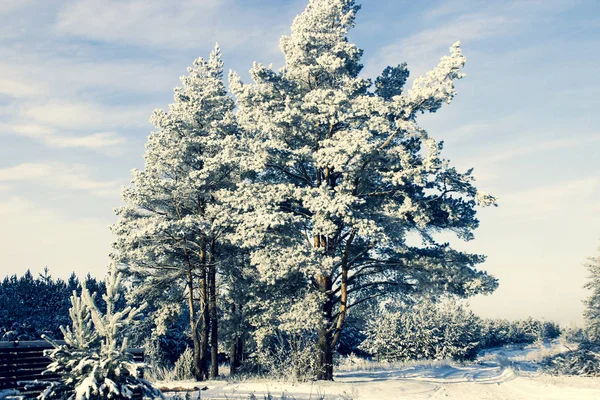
{"x": 10, "y": 380}
{"x": 32, "y": 360}
{"x": 19, "y": 374}
{"x": 20, "y": 363}
{"x": 29, "y": 343}
{"x": 39, "y": 368}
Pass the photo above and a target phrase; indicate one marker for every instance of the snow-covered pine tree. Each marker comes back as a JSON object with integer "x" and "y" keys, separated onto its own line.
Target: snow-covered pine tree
{"x": 169, "y": 230}
{"x": 381, "y": 338}
{"x": 343, "y": 172}
{"x": 94, "y": 364}
{"x": 591, "y": 314}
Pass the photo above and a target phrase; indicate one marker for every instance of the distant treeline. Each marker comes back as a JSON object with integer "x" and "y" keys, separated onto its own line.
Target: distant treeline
{"x": 31, "y": 306}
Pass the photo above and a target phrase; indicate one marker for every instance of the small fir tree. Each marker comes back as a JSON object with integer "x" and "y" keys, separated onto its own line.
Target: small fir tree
{"x": 591, "y": 314}
{"x": 423, "y": 331}
{"x": 95, "y": 364}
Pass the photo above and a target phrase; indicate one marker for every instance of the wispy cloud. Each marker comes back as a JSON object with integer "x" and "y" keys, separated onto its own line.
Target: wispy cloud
{"x": 183, "y": 24}
{"x": 18, "y": 89}
{"x": 80, "y": 115}
{"x": 27, "y": 74}
{"x": 469, "y": 21}
{"x": 518, "y": 149}
{"x": 423, "y": 49}
{"x": 542, "y": 146}
{"x": 50, "y": 137}
{"x": 60, "y": 176}
{"x": 559, "y": 199}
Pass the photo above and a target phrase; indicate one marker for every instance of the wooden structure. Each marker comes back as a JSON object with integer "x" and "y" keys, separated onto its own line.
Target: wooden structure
{"x": 25, "y": 361}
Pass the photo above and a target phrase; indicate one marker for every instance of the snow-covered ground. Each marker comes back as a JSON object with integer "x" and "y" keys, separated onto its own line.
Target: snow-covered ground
{"x": 503, "y": 373}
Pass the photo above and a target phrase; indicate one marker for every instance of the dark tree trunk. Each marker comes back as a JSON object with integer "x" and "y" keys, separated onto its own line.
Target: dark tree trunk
{"x": 194, "y": 322}
{"x": 239, "y": 354}
{"x": 233, "y": 346}
{"x": 236, "y": 347}
{"x": 214, "y": 329}
{"x": 325, "y": 337}
{"x": 194, "y": 330}
{"x": 205, "y": 324}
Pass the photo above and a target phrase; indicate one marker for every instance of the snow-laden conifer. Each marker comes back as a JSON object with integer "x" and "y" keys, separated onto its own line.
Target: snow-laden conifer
{"x": 591, "y": 314}
{"x": 168, "y": 231}
{"x": 94, "y": 363}
{"x": 340, "y": 172}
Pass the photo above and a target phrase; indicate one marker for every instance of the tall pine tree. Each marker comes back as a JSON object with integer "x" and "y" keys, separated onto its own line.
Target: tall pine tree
{"x": 339, "y": 173}
{"x": 169, "y": 231}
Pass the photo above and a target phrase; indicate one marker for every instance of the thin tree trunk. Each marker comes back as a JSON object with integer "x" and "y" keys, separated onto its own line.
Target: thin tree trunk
{"x": 239, "y": 355}
{"x": 343, "y": 291}
{"x": 236, "y": 347}
{"x": 194, "y": 324}
{"x": 205, "y": 320}
{"x": 214, "y": 330}
{"x": 233, "y": 346}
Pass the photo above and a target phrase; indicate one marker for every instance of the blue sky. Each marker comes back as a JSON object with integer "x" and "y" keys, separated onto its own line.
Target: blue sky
{"x": 79, "y": 80}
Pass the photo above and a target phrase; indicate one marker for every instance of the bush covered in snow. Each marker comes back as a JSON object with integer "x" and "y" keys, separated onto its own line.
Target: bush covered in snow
{"x": 500, "y": 332}
{"x": 583, "y": 361}
{"x": 285, "y": 356}
{"x": 184, "y": 366}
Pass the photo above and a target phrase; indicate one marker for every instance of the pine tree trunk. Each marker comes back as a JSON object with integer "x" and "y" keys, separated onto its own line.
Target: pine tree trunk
{"x": 337, "y": 333}
{"x": 239, "y": 355}
{"x": 325, "y": 338}
{"x": 205, "y": 323}
{"x": 214, "y": 332}
{"x": 232, "y": 356}
{"x": 194, "y": 324}
{"x": 233, "y": 346}
{"x": 204, "y": 317}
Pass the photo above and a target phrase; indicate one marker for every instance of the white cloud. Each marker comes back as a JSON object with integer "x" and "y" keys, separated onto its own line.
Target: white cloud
{"x": 538, "y": 147}
{"x": 423, "y": 49}
{"x": 18, "y": 89}
{"x": 469, "y": 21}
{"x": 495, "y": 156}
{"x": 182, "y": 24}
{"x": 95, "y": 141}
{"x": 30, "y": 75}
{"x": 80, "y": 115}
{"x": 60, "y": 176}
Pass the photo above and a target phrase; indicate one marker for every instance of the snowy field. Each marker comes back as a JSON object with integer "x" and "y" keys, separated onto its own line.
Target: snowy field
{"x": 503, "y": 373}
